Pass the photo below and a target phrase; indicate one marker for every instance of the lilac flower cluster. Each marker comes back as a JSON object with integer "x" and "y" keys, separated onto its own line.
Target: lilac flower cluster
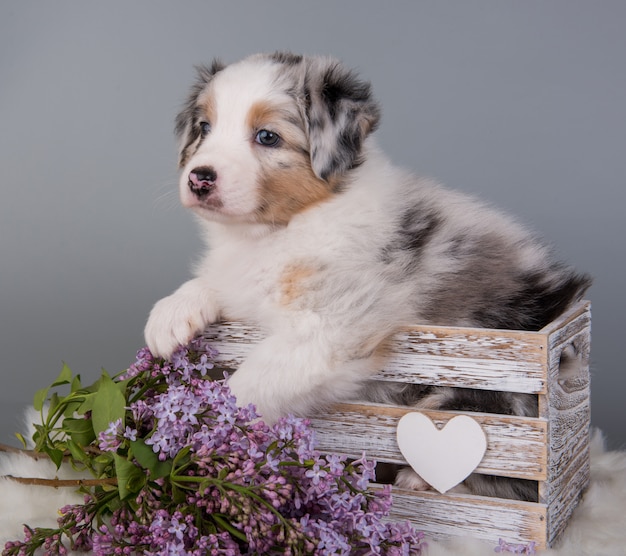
{"x": 110, "y": 439}
{"x": 202, "y": 476}
{"x": 513, "y": 548}
{"x": 75, "y": 524}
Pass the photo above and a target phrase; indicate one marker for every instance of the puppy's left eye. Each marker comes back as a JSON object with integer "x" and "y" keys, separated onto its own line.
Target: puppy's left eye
{"x": 267, "y": 138}
{"x": 205, "y": 128}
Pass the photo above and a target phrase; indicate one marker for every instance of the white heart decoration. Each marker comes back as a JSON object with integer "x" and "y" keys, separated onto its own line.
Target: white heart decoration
{"x": 443, "y": 458}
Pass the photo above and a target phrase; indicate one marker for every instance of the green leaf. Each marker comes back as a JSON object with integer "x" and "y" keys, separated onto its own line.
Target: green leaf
{"x": 40, "y": 398}
{"x": 146, "y": 457}
{"x": 87, "y": 403}
{"x": 39, "y": 437}
{"x": 65, "y": 376}
{"x": 109, "y": 405}
{"x": 54, "y": 402}
{"x": 71, "y": 407}
{"x": 76, "y": 385}
{"x": 123, "y": 384}
{"x": 223, "y": 523}
{"x": 103, "y": 459}
{"x": 102, "y": 464}
{"x": 21, "y": 438}
{"x": 113, "y": 504}
{"x": 55, "y": 455}
{"x": 178, "y": 495}
{"x": 42, "y": 394}
{"x": 182, "y": 457}
{"x": 79, "y": 430}
{"x": 77, "y": 452}
{"x": 130, "y": 478}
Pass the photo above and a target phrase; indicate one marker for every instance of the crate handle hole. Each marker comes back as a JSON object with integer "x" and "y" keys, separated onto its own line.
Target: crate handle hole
{"x": 573, "y": 363}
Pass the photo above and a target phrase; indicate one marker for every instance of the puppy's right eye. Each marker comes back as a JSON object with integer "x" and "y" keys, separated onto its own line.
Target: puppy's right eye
{"x": 205, "y": 128}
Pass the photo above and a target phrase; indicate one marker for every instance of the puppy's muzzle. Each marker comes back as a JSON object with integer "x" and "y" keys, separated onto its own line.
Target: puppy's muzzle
{"x": 202, "y": 181}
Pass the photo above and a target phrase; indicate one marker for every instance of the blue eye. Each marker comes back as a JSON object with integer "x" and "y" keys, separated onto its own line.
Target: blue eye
{"x": 205, "y": 128}
{"x": 267, "y": 138}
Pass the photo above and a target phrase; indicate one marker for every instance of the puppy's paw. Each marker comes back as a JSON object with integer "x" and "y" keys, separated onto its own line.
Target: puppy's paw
{"x": 247, "y": 391}
{"x": 410, "y": 480}
{"x": 175, "y": 320}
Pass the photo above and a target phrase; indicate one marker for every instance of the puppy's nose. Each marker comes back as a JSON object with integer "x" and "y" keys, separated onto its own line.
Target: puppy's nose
{"x": 202, "y": 180}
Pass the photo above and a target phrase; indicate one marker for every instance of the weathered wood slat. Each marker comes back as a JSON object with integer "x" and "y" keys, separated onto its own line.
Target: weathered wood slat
{"x": 440, "y": 356}
{"x": 568, "y": 490}
{"x": 233, "y": 341}
{"x": 471, "y": 358}
{"x": 572, "y": 314}
{"x": 577, "y": 448}
{"x": 441, "y": 517}
{"x": 481, "y": 374}
{"x": 515, "y": 445}
{"x": 566, "y": 407}
{"x": 491, "y": 359}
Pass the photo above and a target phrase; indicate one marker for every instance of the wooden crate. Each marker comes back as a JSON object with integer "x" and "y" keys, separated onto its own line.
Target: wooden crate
{"x": 552, "y": 449}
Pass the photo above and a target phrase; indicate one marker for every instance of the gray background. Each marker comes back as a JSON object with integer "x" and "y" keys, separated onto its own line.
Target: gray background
{"x": 520, "y": 103}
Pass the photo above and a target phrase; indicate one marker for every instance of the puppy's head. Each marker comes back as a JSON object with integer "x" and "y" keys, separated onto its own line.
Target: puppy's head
{"x": 270, "y": 136}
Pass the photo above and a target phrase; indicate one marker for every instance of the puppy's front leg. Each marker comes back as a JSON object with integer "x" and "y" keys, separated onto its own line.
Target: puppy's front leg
{"x": 176, "y": 319}
{"x": 289, "y": 374}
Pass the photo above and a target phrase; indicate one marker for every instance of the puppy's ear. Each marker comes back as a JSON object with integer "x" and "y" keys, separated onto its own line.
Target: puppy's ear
{"x": 340, "y": 112}
{"x": 187, "y": 128}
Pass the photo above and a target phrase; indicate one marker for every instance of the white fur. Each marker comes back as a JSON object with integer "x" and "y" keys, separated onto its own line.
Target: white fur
{"x": 28, "y": 504}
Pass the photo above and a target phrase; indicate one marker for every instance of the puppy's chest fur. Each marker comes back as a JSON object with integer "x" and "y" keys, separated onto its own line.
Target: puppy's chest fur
{"x": 319, "y": 264}
{"x": 265, "y": 279}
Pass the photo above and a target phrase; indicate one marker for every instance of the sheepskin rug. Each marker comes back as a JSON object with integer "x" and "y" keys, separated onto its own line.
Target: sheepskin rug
{"x": 597, "y": 528}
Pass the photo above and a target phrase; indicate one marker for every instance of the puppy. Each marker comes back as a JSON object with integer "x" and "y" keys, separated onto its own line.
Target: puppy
{"x": 318, "y": 239}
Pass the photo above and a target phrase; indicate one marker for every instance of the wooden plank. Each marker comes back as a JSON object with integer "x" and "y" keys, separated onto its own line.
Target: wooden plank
{"x": 567, "y": 404}
{"x": 516, "y": 446}
{"x": 576, "y": 332}
{"x": 566, "y": 495}
{"x": 451, "y": 515}
{"x": 504, "y": 360}
{"x": 573, "y": 313}
{"x": 233, "y": 341}
{"x": 492, "y": 359}
{"x": 506, "y": 376}
{"x": 554, "y": 487}
{"x": 573, "y": 328}
{"x": 567, "y": 409}
{"x": 443, "y": 356}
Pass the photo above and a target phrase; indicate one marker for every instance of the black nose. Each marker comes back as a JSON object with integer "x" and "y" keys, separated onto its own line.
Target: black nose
{"x": 202, "y": 180}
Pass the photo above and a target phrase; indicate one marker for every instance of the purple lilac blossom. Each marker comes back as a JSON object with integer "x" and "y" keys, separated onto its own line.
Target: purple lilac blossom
{"x": 513, "y": 548}
{"x": 235, "y": 485}
{"x": 109, "y": 439}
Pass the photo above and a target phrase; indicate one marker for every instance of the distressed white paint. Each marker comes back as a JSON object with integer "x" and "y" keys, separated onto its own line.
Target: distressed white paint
{"x": 516, "y": 446}
{"x": 442, "y": 516}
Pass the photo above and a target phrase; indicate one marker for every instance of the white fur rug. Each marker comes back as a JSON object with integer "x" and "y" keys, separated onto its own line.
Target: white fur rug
{"x": 597, "y": 528}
